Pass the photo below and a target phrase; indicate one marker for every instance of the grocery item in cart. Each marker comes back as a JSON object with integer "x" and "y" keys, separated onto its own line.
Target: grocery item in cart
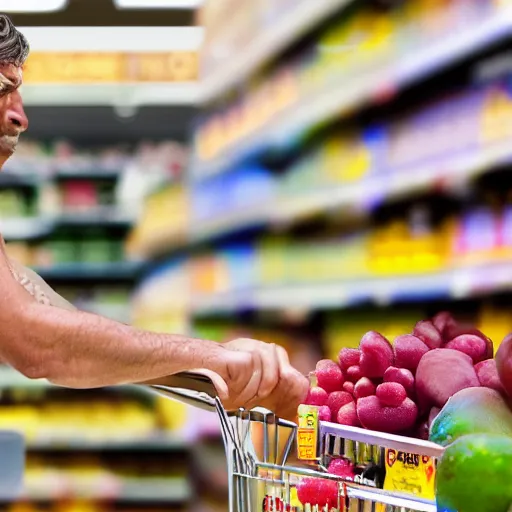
{"x": 470, "y": 411}
{"x": 397, "y": 387}
{"x": 269, "y": 484}
{"x": 475, "y": 474}
{"x": 439, "y": 378}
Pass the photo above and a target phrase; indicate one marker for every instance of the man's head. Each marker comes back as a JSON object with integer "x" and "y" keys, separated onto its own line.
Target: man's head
{"x": 13, "y": 53}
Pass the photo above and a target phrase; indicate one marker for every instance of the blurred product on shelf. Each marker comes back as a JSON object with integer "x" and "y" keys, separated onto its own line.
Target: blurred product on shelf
{"x": 55, "y": 418}
{"x": 451, "y": 139}
{"x": 154, "y": 166}
{"x": 410, "y": 243}
{"x": 72, "y": 178}
{"x": 38, "y": 159}
{"x": 161, "y": 302}
{"x": 86, "y": 505}
{"x": 351, "y": 46}
{"x": 129, "y": 479}
{"x": 165, "y": 216}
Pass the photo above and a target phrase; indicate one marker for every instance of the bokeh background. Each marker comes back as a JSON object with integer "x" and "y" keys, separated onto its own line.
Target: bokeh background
{"x": 296, "y": 171}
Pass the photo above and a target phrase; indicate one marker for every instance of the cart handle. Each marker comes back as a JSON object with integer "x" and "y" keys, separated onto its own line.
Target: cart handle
{"x": 197, "y": 389}
{"x": 192, "y": 388}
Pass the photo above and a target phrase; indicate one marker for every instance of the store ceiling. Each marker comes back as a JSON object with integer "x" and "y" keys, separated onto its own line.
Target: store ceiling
{"x": 96, "y": 13}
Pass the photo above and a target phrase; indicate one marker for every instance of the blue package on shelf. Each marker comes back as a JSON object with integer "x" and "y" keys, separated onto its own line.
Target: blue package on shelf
{"x": 211, "y": 198}
{"x": 252, "y": 186}
{"x": 240, "y": 259}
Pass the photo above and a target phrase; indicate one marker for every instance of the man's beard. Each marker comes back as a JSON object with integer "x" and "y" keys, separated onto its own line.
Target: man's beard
{"x": 8, "y": 144}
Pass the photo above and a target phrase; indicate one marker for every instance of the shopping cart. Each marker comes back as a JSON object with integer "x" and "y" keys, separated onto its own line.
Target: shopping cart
{"x": 265, "y": 483}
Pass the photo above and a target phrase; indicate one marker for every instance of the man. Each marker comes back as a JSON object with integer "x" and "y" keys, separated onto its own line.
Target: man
{"x": 43, "y": 336}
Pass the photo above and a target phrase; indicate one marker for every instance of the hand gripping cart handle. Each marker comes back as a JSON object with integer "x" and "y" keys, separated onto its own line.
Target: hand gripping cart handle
{"x": 265, "y": 483}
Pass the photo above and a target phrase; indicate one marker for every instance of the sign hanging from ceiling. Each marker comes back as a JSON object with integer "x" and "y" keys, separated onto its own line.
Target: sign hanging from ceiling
{"x": 82, "y": 68}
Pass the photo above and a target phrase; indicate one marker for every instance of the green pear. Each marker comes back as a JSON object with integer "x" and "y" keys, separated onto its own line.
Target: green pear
{"x": 472, "y": 411}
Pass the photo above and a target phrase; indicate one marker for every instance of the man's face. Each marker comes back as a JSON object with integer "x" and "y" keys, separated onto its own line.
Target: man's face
{"x": 13, "y": 120}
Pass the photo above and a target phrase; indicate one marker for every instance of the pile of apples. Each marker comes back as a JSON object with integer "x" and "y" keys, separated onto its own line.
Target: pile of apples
{"x": 401, "y": 387}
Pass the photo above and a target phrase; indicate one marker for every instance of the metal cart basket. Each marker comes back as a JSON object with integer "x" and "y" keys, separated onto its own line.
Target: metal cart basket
{"x": 265, "y": 483}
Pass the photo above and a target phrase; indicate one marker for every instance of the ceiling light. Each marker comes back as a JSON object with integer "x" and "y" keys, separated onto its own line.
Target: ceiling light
{"x": 158, "y": 4}
{"x": 32, "y": 5}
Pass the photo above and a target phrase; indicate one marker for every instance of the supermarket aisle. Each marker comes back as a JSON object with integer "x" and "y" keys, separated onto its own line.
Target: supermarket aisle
{"x": 298, "y": 172}
{"x": 349, "y": 171}
{"x": 109, "y": 125}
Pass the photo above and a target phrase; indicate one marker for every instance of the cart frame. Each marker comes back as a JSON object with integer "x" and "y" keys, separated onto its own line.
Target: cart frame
{"x": 264, "y": 484}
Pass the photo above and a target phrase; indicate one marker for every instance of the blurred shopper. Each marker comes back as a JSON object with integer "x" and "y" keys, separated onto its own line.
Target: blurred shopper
{"x": 44, "y": 336}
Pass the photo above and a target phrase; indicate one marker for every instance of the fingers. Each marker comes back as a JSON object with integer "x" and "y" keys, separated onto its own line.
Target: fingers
{"x": 218, "y": 382}
{"x": 265, "y": 378}
{"x": 266, "y": 368}
{"x": 292, "y": 390}
{"x": 270, "y": 363}
{"x": 245, "y": 374}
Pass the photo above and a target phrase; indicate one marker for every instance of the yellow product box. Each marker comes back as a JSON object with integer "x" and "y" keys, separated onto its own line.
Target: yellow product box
{"x": 346, "y": 159}
{"x": 272, "y": 260}
{"x": 410, "y": 473}
{"x": 307, "y": 433}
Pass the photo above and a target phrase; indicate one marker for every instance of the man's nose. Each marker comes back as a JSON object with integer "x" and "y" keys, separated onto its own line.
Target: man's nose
{"x": 16, "y": 116}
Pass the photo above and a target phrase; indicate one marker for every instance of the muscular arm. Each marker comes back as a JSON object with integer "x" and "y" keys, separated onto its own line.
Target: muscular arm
{"x": 82, "y": 350}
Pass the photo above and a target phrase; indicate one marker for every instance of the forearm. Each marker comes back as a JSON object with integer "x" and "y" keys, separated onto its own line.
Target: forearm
{"x": 81, "y": 350}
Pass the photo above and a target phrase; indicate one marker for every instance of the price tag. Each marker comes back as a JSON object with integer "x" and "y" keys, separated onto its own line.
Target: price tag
{"x": 410, "y": 473}
{"x": 307, "y": 433}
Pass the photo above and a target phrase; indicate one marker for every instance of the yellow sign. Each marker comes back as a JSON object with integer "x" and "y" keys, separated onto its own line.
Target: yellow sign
{"x": 410, "y": 473}
{"x": 115, "y": 67}
{"x": 307, "y": 433}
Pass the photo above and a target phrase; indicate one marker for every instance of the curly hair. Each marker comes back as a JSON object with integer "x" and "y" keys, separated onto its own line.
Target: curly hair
{"x": 14, "y": 48}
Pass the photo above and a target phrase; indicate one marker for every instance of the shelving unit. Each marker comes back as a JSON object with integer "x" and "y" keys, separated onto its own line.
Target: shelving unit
{"x": 122, "y": 95}
{"x": 289, "y": 27}
{"x": 299, "y": 143}
{"x": 91, "y": 272}
{"x": 348, "y": 95}
{"x": 447, "y": 285}
{"x": 443, "y": 175}
{"x": 59, "y": 468}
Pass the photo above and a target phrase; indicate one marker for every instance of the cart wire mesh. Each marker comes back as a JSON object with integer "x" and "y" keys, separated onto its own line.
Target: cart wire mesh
{"x": 265, "y": 483}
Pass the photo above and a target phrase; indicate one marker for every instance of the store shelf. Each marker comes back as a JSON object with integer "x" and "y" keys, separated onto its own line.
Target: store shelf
{"x": 338, "y": 99}
{"x": 111, "y": 272}
{"x": 232, "y": 223}
{"x": 26, "y": 228}
{"x": 18, "y": 180}
{"x": 29, "y": 228}
{"x": 288, "y": 29}
{"x": 449, "y": 284}
{"x": 97, "y": 216}
{"x": 114, "y": 95}
{"x": 137, "y": 490}
{"x": 445, "y": 174}
{"x": 88, "y": 174}
{"x": 157, "y": 443}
